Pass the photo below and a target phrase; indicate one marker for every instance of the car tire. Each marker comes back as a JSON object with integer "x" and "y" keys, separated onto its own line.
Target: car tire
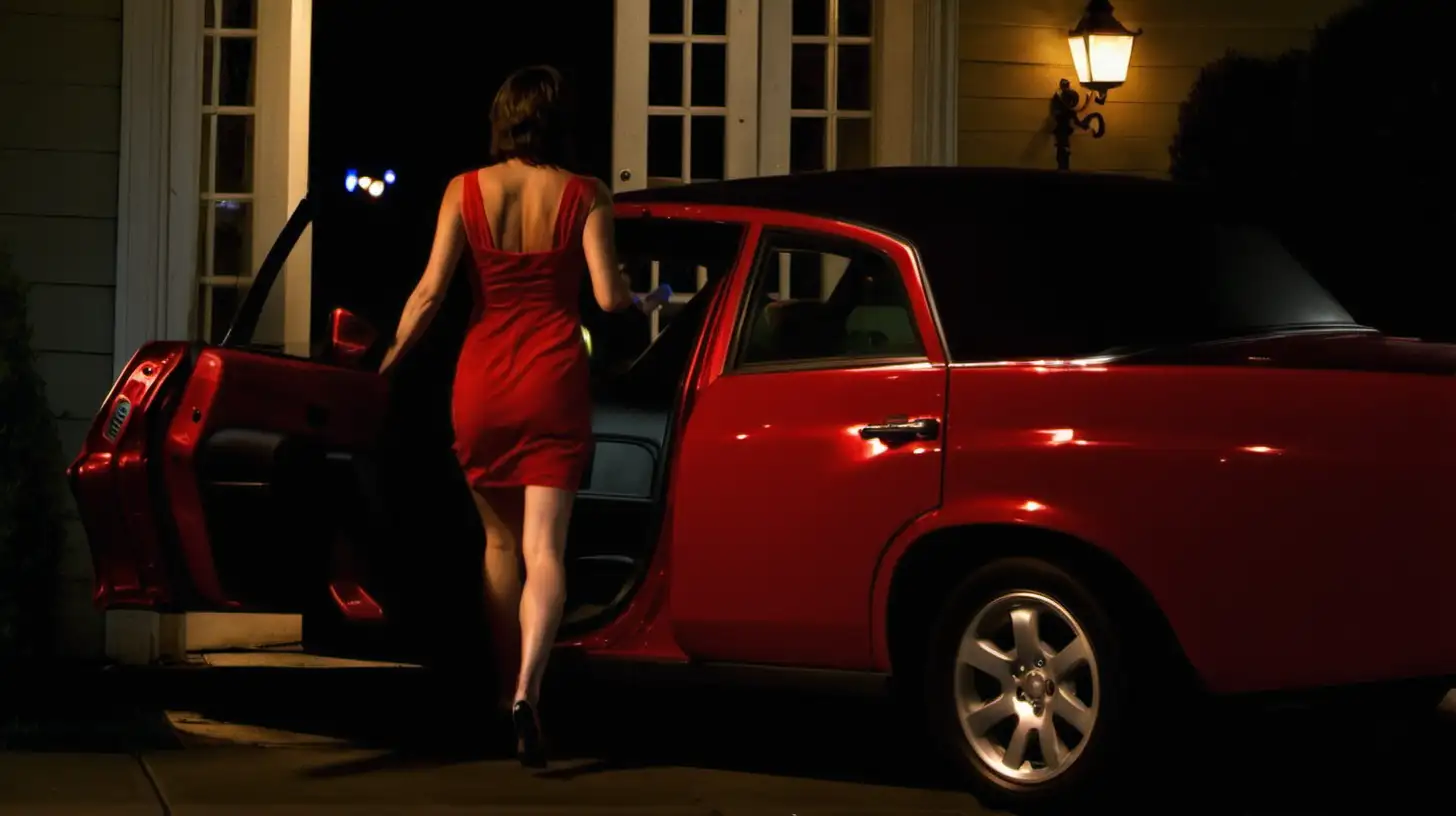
{"x": 1052, "y": 612}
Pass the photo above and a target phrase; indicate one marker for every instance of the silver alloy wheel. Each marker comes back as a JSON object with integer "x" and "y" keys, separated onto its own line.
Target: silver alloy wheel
{"x": 1027, "y": 704}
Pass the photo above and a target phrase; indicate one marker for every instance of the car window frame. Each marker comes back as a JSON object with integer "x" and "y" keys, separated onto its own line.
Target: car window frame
{"x": 803, "y": 238}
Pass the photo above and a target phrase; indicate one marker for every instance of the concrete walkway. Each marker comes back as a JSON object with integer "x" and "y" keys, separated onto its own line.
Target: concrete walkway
{"x": 311, "y": 781}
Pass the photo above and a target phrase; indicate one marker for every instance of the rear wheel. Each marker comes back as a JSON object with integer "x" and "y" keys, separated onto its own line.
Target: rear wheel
{"x": 1026, "y": 685}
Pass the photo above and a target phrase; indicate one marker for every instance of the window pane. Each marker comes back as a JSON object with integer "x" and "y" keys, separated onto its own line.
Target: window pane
{"x": 237, "y": 71}
{"x": 235, "y": 154}
{"x": 664, "y": 147}
{"x": 710, "y": 16}
{"x": 855, "y": 18}
{"x": 665, "y": 17}
{"x": 710, "y": 74}
{"x": 806, "y": 144}
{"x": 665, "y": 74}
{"x": 209, "y": 13}
{"x": 217, "y": 306}
{"x": 807, "y": 80}
{"x": 239, "y": 14}
{"x": 233, "y": 238}
{"x": 811, "y": 17}
{"x": 209, "y": 160}
{"x": 204, "y": 239}
{"x": 854, "y": 77}
{"x": 852, "y": 148}
{"x": 208, "y": 43}
{"x": 854, "y": 306}
{"x": 708, "y": 147}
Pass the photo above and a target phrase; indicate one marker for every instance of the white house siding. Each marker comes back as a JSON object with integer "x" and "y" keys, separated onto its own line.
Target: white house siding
{"x": 60, "y": 89}
{"x": 1013, "y": 52}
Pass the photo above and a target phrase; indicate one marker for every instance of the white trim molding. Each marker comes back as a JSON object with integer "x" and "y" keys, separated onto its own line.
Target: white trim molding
{"x": 280, "y": 164}
{"x": 156, "y": 221}
{"x": 936, "y": 84}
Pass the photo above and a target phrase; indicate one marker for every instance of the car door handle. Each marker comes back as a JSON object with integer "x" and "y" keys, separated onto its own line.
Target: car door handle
{"x": 902, "y": 430}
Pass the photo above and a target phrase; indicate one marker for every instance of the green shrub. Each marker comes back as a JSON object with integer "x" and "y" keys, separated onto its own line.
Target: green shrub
{"x": 30, "y": 530}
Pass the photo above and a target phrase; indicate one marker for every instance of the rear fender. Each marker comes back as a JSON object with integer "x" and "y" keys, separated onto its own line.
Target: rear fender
{"x": 1039, "y": 513}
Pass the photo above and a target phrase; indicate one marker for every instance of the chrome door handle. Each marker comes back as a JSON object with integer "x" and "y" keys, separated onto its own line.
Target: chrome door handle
{"x": 902, "y": 431}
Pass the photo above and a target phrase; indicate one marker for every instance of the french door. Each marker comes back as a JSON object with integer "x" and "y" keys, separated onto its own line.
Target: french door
{"x": 686, "y": 92}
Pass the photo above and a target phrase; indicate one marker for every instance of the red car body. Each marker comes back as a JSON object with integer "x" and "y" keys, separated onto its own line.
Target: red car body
{"x": 1269, "y": 503}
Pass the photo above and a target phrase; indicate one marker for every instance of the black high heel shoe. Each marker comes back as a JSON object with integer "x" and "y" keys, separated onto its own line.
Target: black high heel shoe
{"x": 530, "y": 748}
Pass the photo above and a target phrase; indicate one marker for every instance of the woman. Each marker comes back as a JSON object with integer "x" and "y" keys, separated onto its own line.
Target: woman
{"x": 521, "y": 404}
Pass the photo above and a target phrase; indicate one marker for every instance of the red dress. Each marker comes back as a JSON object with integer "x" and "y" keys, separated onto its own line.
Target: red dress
{"x": 522, "y": 400}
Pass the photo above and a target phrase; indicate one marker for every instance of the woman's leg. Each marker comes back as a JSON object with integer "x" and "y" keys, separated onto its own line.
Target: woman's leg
{"x": 500, "y": 514}
{"x": 543, "y": 544}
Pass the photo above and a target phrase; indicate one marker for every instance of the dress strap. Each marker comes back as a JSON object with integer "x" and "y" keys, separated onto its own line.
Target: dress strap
{"x": 472, "y": 212}
{"x": 572, "y": 211}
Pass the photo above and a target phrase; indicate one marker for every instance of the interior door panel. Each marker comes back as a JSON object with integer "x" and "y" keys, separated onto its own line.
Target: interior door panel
{"x": 263, "y": 467}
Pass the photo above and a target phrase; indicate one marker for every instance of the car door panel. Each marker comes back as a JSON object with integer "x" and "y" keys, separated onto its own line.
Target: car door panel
{"x": 787, "y": 509}
{"x": 794, "y": 474}
{"x": 260, "y": 462}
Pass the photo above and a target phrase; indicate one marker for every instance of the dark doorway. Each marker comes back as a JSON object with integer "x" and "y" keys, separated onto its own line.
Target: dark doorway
{"x": 407, "y": 87}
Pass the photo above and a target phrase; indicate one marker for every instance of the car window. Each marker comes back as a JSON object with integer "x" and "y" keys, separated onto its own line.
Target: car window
{"x": 689, "y": 256}
{"x": 815, "y": 298}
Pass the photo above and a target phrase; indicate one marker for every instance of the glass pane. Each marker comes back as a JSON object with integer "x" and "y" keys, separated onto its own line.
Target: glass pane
{"x": 855, "y": 18}
{"x": 854, "y": 77}
{"x": 664, "y": 146}
{"x": 239, "y": 14}
{"x": 234, "y": 154}
{"x": 233, "y": 238}
{"x": 209, "y": 13}
{"x": 665, "y": 74}
{"x": 811, "y": 18}
{"x": 209, "y": 162}
{"x": 710, "y": 16}
{"x": 710, "y": 74}
{"x": 207, "y": 45}
{"x": 665, "y": 17}
{"x": 236, "y": 85}
{"x": 220, "y": 304}
{"x": 204, "y": 242}
{"x": 708, "y": 148}
{"x": 852, "y": 150}
{"x": 807, "y": 82}
{"x": 806, "y": 144}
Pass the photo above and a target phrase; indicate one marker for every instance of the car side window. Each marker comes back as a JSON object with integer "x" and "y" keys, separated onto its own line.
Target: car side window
{"x": 815, "y": 298}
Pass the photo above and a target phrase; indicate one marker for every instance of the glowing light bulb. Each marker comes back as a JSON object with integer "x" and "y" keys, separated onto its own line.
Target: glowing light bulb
{"x": 388, "y": 176}
{"x": 351, "y": 181}
{"x": 364, "y": 182}
{"x": 376, "y": 188}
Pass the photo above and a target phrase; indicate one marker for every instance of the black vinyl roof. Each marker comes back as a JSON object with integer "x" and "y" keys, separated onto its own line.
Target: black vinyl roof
{"x": 911, "y": 200}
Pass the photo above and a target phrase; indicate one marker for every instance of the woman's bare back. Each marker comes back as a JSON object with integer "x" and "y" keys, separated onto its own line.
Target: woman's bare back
{"x": 521, "y": 205}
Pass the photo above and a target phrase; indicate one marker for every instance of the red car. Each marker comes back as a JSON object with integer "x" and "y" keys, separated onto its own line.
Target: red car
{"x": 908, "y": 427}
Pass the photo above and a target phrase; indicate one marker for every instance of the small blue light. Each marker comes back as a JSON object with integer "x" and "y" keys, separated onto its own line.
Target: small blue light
{"x": 351, "y": 180}
{"x": 388, "y": 176}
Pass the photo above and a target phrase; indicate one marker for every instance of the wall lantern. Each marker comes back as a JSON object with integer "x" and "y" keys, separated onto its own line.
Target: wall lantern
{"x": 1101, "y": 53}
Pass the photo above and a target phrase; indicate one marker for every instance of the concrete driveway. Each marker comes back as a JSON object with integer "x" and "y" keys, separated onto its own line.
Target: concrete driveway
{"x": 386, "y": 741}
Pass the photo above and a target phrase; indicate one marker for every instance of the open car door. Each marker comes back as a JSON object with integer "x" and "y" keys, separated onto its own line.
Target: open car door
{"x": 231, "y": 477}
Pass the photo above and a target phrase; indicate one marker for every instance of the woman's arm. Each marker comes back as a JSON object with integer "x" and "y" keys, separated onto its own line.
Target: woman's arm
{"x": 613, "y": 290}
{"x": 425, "y": 300}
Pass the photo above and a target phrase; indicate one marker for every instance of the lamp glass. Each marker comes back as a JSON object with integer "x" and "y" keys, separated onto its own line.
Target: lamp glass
{"x": 1078, "y": 44}
{"x": 1101, "y": 59}
{"x": 1110, "y": 56}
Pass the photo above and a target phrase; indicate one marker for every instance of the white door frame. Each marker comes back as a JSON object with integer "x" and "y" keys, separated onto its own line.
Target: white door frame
{"x": 157, "y": 187}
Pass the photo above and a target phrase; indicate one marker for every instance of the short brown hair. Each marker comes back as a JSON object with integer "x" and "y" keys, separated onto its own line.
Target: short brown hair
{"x": 528, "y": 119}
